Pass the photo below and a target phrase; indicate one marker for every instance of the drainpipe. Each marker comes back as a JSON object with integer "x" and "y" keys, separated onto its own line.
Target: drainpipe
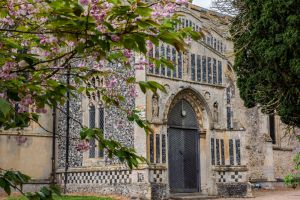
{"x": 53, "y": 179}
{"x": 67, "y": 134}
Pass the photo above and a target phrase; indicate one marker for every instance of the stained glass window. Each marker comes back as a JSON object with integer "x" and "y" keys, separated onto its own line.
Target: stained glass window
{"x": 214, "y": 71}
{"x": 198, "y": 68}
{"x": 179, "y": 65}
{"x": 204, "y": 68}
{"x": 92, "y": 113}
{"x": 193, "y": 77}
{"x": 162, "y": 53}
{"x": 174, "y": 62}
{"x": 220, "y": 72}
{"x": 168, "y": 58}
{"x": 209, "y": 78}
{"x": 157, "y": 57}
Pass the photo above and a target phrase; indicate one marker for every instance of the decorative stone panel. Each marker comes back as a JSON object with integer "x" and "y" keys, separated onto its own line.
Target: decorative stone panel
{"x": 158, "y": 176}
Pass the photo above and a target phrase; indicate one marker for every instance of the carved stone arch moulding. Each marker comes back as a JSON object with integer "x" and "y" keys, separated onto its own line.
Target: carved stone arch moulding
{"x": 198, "y": 103}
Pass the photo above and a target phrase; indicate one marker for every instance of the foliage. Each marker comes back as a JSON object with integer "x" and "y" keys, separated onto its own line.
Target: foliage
{"x": 293, "y": 180}
{"x": 267, "y": 56}
{"x": 14, "y": 180}
{"x": 49, "y": 48}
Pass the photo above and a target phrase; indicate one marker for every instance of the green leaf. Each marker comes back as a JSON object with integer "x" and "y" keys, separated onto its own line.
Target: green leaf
{"x": 5, "y": 107}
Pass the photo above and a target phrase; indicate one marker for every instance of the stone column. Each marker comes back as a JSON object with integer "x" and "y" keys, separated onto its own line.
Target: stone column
{"x": 268, "y": 168}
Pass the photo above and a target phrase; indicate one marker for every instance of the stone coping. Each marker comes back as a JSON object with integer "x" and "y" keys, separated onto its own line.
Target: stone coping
{"x": 278, "y": 148}
{"x": 230, "y": 168}
{"x": 102, "y": 168}
{"x": 158, "y": 166}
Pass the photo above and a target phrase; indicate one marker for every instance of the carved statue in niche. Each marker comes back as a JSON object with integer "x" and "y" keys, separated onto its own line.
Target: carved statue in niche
{"x": 155, "y": 106}
{"x": 216, "y": 113}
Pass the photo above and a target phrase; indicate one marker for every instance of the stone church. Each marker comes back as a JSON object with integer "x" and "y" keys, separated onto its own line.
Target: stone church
{"x": 205, "y": 141}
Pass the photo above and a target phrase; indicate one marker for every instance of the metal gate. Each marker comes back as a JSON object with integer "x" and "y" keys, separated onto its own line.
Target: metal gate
{"x": 183, "y": 151}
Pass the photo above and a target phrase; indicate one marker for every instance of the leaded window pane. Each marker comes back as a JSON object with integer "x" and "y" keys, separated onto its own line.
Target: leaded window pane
{"x": 150, "y": 54}
{"x": 218, "y": 151}
{"x": 238, "y": 151}
{"x": 92, "y": 143}
{"x": 208, "y": 40}
{"x": 220, "y": 72}
{"x": 222, "y": 152}
{"x": 229, "y": 118}
{"x": 157, "y": 139}
{"x": 198, "y": 68}
{"x": 204, "y": 68}
{"x": 162, "y": 53}
{"x": 228, "y": 95}
{"x": 214, "y": 71}
{"x": 215, "y": 43}
{"x": 193, "y": 77}
{"x": 209, "y": 78}
{"x": 231, "y": 152}
{"x": 190, "y": 23}
{"x": 168, "y": 58}
{"x": 174, "y": 62}
{"x": 186, "y": 23}
{"x": 212, "y": 148}
{"x": 163, "y": 149}
{"x": 101, "y": 126}
{"x": 212, "y": 42}
{"x": 179, "y": 65}
{"x": 157, "y": 57}
{"x": 218, "y": 45}
{"x": 151, "y": 142}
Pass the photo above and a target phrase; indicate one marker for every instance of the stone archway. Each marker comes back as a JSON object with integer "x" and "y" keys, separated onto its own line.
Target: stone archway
{"x": 203, "y": 118}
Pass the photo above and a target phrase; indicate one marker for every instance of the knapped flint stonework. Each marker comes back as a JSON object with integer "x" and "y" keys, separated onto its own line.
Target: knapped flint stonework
{"x": 232, "y": 189}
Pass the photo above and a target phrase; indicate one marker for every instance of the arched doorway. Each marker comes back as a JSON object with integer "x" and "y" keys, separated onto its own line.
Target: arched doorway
{"x": 183, "y": 148}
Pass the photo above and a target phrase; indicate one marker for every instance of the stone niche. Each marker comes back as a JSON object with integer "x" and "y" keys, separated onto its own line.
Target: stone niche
{"x": 232, "y": 189}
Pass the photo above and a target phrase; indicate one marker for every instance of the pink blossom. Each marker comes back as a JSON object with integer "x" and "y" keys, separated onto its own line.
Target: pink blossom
{"x": 27, "y": 100}
{"x": 115, "y": 38}
{"x": 83, "y": 146}
{"x": 111, "y": 83}
{"x": 184, "y": 2}
{"x": 41, "y": 110}
{"x": 133, "y": 92}
{"x": 149, "y": 45}
{"x": 84, "y": 2}
{"x": 127, "y": 53}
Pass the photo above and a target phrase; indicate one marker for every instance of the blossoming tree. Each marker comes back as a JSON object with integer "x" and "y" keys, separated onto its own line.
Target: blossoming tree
{"x": 43, "y": 41}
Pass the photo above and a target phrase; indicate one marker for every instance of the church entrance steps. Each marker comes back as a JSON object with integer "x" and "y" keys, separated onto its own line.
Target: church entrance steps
{"x": 191, "y": 196}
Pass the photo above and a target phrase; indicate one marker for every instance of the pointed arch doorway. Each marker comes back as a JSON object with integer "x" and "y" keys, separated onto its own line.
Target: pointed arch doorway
{"x": 183, "y": 149}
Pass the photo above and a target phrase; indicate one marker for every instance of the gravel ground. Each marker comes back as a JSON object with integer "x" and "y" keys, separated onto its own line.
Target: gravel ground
{"x": 279, "y": 194}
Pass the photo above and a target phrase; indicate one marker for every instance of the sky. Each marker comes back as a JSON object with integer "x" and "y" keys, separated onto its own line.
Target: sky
{"x": 202, "y": 3}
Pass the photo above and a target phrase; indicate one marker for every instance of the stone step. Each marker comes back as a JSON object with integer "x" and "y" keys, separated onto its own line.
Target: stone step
{"x": 191, "y": 196}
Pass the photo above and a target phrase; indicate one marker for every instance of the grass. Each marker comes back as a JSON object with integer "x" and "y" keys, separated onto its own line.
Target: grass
{"x": 67, "y": 198}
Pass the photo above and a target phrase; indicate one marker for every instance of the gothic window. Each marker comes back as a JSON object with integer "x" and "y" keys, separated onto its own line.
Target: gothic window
{"x": 212, "y": 148}
{"x": 193, "y": 67}
{"x": 157, "y": 57}
{"x": 179, "y": 65}
{"x": 163, "y": 149}
{"x": 218, "y": 151}
{"x": 229, "y": 117}
{"x": 204, "y": 68}
{"x": 208, "y": 40}
{"x": 150, "y": 54}
{"x": 212, "y": 41}
{"x": 222, "y": 152}
{"x": 221, "y": 47}
{"x": 238, "y": 151}
{"x": 151, "y": 143}
{"x": 229, "y": 113}
{"x": 215, "y": 43}
{"x": 186, "y": 23}
{"x": 198, "y": 68}
{"x": 168, "y": 58}
{"x": 92, "y": 116}
{"x": 209, "y": 78}
{"x": 101, "y": 126}
{"x": 231, "y": 152}
{"x": 190, "y": 25}
{"x": 218, "y": 45}
{"x": 162, "y": 53}
{"x": 214, "y": 71}
{"x": 174, "y": 62}
{"x": 220, "y": 72}
{"x": 157, "y": 145}
{"x": 272, "y": 129}
{"x": 228, "y": 95}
